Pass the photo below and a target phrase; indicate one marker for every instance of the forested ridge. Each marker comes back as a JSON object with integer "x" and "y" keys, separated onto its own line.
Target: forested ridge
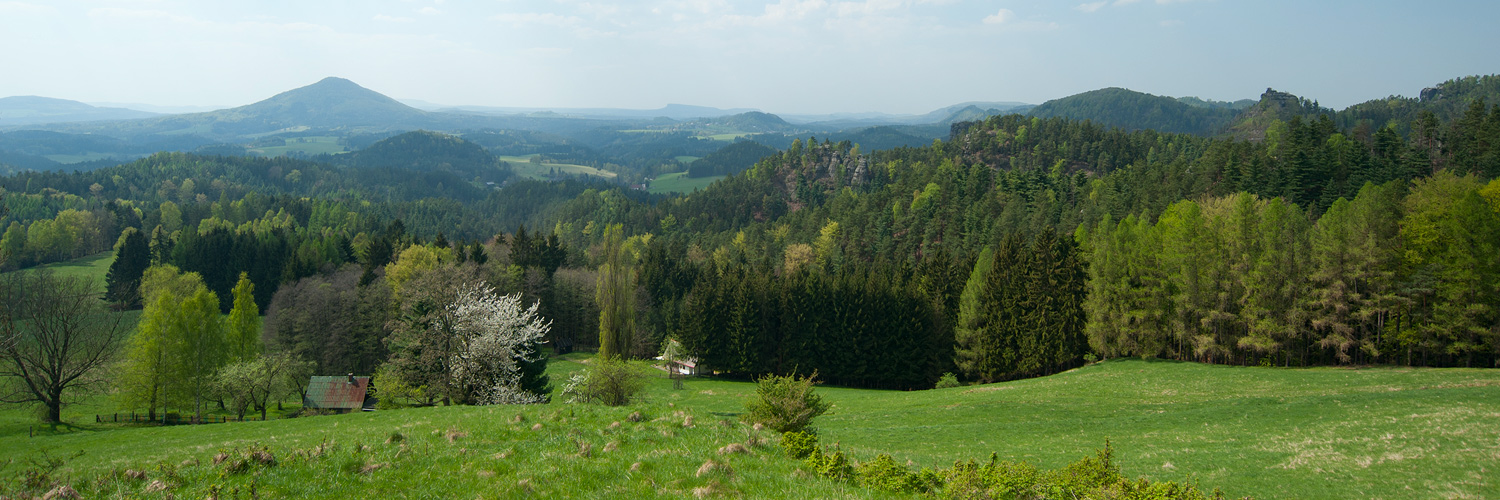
{"x": 1017, "y": 247}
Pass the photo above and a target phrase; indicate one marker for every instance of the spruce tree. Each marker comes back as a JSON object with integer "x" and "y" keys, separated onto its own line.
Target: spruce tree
{"x": 132, "y": 257}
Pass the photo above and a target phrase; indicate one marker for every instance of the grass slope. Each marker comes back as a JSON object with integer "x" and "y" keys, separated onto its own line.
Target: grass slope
{"x": 1264, "y": 432}
{"x": 522, "y": 166}
{"x": 94, "y": 267}
{"x": 679, "y": 182}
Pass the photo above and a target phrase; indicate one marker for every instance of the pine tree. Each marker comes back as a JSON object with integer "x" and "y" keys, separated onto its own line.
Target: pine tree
{"x": 967, "y": 353}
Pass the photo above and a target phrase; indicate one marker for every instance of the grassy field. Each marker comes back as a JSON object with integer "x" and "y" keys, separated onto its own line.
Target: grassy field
{"x": 1262, "y": 432}
{"x": 309, "y": 145}
{"x": 523, "y": 167}
{"x": 94, "y": 267}
{"x": 679, "y": 182}
{"x": 728, "y": 137}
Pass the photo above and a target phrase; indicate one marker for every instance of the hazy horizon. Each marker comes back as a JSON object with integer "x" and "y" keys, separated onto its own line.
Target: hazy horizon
{"x": 786, "y": 57}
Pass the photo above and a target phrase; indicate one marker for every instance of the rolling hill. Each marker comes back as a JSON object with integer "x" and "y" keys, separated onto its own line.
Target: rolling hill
{"x": 1131, "y": 110}
{"x": 34, "y": 110}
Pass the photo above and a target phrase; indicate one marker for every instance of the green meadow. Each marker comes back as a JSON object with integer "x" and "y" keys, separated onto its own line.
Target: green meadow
{"x": 307, "y": 145}
{"x": 679, "y": 182}
{"x": 522, "y": 166}
{"x": 1260, "y": 432}
{"x": 94, "y": 267}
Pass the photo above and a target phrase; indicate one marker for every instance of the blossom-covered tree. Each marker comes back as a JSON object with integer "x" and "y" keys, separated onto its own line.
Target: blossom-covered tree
{"x": 494, "y": 337}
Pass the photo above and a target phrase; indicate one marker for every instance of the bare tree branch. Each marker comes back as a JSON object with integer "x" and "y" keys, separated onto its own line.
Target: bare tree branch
{"x": 59, "y": 335}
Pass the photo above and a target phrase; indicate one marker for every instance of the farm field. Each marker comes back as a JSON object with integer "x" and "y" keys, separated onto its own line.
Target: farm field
{"x": 1261, "y": 432}
{"x": 523, "y": 167}
{"x": 679, "y": 182}
{"x": 307, "y": 145}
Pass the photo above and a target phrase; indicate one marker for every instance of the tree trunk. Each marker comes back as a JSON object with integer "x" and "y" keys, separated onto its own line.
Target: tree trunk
{"x": 54, "y": 411}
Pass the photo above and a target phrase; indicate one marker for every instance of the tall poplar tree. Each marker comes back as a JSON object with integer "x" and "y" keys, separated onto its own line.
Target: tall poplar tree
{"x": 615, "y": 294}
{"x": 244, "y": 322}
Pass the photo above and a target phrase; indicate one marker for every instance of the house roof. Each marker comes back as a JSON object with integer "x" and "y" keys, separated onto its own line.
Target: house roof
{"x": 335, "y": 392}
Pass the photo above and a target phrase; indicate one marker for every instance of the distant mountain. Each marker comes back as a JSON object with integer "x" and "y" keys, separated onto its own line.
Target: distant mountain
{"x": 753, "y": 121}
{"x": 159, "y": 109}
{"x": 330, "y": 103}
{"x": 33, "y": 110}
{"x": 944, "y": 116}
{"x": 333, "y": 105}
{"x": 672, "y": 111}
{"x": 1131, "y": 110}
{"x": 969, "y": 111}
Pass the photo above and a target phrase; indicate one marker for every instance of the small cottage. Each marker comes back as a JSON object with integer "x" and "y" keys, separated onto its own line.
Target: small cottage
{"x": 341, "y": 394}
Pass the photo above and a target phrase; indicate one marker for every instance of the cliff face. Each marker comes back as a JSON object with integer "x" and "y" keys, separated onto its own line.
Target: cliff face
{"x": 1274, "y": 105}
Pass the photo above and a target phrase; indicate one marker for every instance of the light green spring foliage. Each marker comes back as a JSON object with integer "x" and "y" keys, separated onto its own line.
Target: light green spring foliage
{"x": 412, "y": 261}
{"x": 168, "y": 278}
{"x": 204, "y": 348}
{"x": 827, "y": 245}
{"x": 13, "y": 243}
{"x": 148, "y": 363}
{"x": 1452, "y": 237}
{"x": 243, "y": 328}
{"x": 171, "y": 216}
{"x": 179, "y": 343}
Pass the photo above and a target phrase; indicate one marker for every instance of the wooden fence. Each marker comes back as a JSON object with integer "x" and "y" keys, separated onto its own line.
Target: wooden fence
{"x": 170, "y": 419}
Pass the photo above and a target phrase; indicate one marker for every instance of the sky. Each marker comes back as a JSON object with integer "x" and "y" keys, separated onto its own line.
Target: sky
{"x": 784, "y": 56}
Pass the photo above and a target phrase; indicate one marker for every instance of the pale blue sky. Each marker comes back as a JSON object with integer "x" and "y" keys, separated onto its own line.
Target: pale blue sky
{"x": 787, "y": 56}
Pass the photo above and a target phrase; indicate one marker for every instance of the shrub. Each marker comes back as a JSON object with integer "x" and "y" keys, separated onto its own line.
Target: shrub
{"x": 884, "y": 473}
{"x": 785, "y": 403}
{"x": 948, "y": 380}
{"x": 830, "y": 465}
{"x": 799, "y": 444}
{"x": 612, "y": 382}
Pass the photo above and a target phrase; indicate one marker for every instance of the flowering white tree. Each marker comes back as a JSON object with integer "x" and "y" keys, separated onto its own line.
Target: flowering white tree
{"x": 494, "y": 336}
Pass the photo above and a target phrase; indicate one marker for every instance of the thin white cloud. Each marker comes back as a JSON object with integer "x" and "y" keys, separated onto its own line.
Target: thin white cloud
{"x": 1122, "y": 3}
{"x": 1001, "y": 17}
{"x": 392, "y": 19}
{"x": 1091, "y": 7}
{"x": 429, "y": 11}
